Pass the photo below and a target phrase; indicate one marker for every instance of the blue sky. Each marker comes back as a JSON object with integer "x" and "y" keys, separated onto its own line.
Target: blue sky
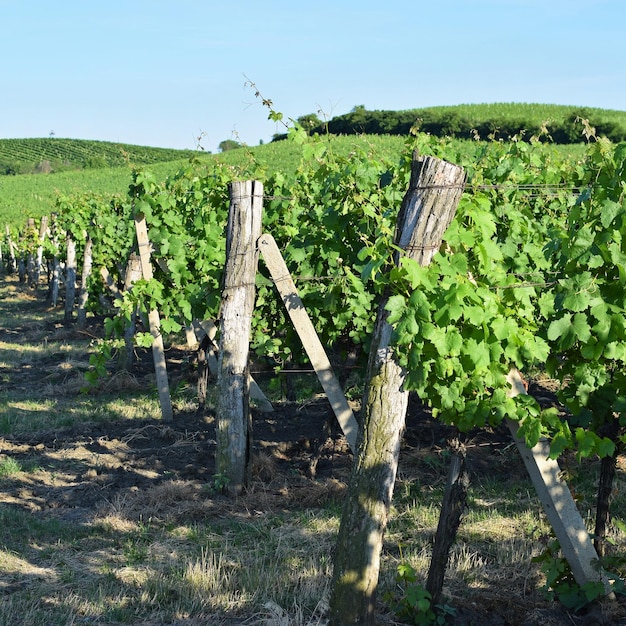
{"x": 163, "y": 74}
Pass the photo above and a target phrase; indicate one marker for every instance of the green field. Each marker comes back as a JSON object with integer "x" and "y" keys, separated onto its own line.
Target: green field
{"x": 22, "y": 156}
{"x": 105, "y": 168}
{"x": 33, "y": 195}
{"x": 537, "y": 113}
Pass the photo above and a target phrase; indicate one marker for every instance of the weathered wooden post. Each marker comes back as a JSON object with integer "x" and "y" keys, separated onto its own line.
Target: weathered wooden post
{"x": 83, "y": 294}
{"x": 427, "y": 210}
{"x": 234, "y": 428}
{"x": 158, "y": 353}
{"x": 452, "y": 509}
{"x": 55, "y": 277}
{"x": 12, "y": 266}
{"x": 30, "y": 236}
{"x": 43, "y": 229}
{"x": 133, "y": 273}
{"x": 70, "y": 278}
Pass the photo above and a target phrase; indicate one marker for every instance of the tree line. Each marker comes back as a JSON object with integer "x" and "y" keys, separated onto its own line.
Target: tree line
{"x": 450, "y": 122}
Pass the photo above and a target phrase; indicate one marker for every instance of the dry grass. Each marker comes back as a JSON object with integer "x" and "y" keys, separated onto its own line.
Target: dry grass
{"x": 123, "y": 568}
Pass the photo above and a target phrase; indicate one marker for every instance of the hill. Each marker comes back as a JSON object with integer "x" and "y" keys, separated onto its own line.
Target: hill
{"x": 553, "y": 123}
{"x": 34, "y": 195}
{"x": 101, "y": 167}
{"x": 52, "y": 154}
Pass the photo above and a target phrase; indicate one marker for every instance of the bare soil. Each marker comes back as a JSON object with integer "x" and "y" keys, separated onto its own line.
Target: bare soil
{"x": 301, "y": 461}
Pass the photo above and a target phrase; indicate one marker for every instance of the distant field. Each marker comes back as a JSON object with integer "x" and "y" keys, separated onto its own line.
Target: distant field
{"x": 34, "y": 195}
{"x": 27, "y": 156}
{"x": 534, "y": 112}
{"x": 105, "y": 168}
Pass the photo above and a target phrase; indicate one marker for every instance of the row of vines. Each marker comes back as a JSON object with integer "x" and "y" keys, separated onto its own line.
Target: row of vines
{"x": 531, "y": 275}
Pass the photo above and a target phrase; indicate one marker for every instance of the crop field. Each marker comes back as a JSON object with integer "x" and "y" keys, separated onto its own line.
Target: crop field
{"x": 536, "y": 112}
{"x": 26, "y": 154}
{"x": 34, "y": 195}
{"x": 101, "y": 167}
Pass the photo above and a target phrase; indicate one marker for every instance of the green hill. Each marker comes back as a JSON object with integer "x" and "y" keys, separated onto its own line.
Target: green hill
{"x": 555, "y": 123}
{"x": 51, "y": 154}
{"x": 34, "y": 195}
{"x": 47, "y": 168}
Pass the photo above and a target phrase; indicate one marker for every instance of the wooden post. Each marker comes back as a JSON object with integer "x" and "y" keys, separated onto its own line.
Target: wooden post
{"x": 234, "y": 427}
{"x": 83, "y": 294}
{"x": 30, "y": 257}
{"x": 310, "y": 341}
{"x": 53, "y": 288}
{"x": 43, "y": 229}
{"x": 427, "y": 209}
{"x": 70, "y": 278}
{"x": 158, "y": 353}
{"x": 205, "y": 332}
{"x": 55, "y": 280}
{"x": 131, "y": 274}
{"x": 12, "y": 265}
{"x": 557, "y": 501}
{"x": 452, "y": 509}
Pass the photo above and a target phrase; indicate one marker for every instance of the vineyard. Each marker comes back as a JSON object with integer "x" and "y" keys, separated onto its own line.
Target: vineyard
{"x": 33, "y": 195}
{"x": 529, "y": 276}
{"x": 25, "y": 156}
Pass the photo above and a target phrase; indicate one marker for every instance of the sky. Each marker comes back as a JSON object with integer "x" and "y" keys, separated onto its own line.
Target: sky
{"x": 184, "y": 73}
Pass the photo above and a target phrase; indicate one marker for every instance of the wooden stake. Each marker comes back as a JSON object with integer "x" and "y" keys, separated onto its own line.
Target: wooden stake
{"x": 158, "y": 352}
{"x": 70, "y": 279}
{"x": 12, "y": 266}
{"x": 43, "y": 229}
{"x": 83, "y": 295}
{"x": 234, "y": 424}
{"x": 310, "y": 341}
{"x": 557, "y": 501}
{"x": 452, "y": 509}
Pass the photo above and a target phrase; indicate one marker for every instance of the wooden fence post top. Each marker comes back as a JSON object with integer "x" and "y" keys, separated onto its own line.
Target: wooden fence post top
{"x": 428, "y": 206}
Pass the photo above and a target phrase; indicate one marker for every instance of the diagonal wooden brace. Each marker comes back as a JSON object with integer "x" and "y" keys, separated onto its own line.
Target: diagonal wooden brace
{"x": 305, "y": 329}
{"x": 557, "y": 501}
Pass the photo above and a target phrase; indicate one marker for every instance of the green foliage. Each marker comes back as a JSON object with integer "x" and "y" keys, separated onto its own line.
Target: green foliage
{"x": 530, "y": 274}
{"x": 524, "y": 283}
{"x": 558, "y": 124}
{"x": 34, "y": 195}
{"x": 561, "y": 585}
{"x": 414, "y": 604}
{"x": 228, "y": 144}
{"x": 463, "y": 322}
{"x": 586, "y": 319}
{"x": 186, "y": 219}
{"x": 219, "y": 484}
